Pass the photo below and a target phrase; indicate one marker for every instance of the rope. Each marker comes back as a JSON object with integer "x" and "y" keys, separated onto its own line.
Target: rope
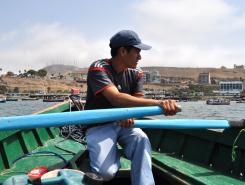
{"x": 76, "y": 132}
{"x": 235, "y": 147}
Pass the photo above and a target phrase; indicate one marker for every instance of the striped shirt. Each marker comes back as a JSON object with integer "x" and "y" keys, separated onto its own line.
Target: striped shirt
{"x": 101, "y": 76}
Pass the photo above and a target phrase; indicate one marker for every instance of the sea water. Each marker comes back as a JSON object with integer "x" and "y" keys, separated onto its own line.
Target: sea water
{"x": 200, "y": 110}
{"x": 190, "y": 110}
{"x": 17, "y": 108}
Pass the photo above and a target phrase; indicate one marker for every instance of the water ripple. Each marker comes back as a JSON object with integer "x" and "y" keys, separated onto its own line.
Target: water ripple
{"x": 190, "y": 110}
{"x": 12, "y": 108}
{"x": 199, "y": 110}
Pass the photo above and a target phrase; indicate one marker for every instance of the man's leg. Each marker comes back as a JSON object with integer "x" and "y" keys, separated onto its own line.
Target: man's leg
{"x": 102, "y": 147}
{"x": 138, "y": 149}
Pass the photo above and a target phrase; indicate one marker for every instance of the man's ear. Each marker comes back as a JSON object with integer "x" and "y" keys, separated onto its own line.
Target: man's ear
{"x": 122, "y": 51}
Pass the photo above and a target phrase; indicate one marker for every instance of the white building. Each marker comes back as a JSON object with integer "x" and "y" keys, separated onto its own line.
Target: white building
{"x": 152, "y": 77}
{"x": 204, "y": 78}
{"x": 238, "y": 66}
{"x": 230, "y": 87}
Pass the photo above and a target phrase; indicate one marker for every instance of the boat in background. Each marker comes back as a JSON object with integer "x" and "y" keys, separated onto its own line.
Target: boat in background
{"x": 54, "y": 98}
{"x": 218, "y": 102}
{"x": 241, "y": 100}
{"x": 28, "y": 99}
{"x": 10, "y": 98}
{"x": 2, "y": 99}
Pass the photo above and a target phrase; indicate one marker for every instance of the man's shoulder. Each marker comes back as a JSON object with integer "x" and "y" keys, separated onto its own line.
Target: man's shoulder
{"x": 136, "y": 70}
{"x": 102, "y": 63}
{"x": 136, "y": 73}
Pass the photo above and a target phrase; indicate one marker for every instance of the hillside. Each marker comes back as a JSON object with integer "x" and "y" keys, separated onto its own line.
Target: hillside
{"x": 35, "y": 84}
{"x": 166, "y": 71}
{"x": 194, "y": 72}
{"x": 62, "y": 69}
{"x": 27, "y": 84}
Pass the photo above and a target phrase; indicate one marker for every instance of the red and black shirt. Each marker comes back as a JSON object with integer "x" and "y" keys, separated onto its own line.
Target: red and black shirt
{"x": 101, "y": 76}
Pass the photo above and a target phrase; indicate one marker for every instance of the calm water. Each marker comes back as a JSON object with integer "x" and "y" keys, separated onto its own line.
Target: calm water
{"x": 198, "y": 110}
{"x": 12, "y": 108}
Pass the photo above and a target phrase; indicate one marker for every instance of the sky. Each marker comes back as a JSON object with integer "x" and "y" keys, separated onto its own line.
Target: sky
{"x": 182, "y": 33}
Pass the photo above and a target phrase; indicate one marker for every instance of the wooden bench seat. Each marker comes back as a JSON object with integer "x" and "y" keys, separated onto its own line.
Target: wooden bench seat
{"x": 192, "y": 173}
{"x": 199, "y": 156}
{"x": 70, "y": 150}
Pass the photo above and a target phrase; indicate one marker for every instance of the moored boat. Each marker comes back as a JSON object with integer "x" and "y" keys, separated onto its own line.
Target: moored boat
{"x": 179, "y": 156}
{"x": 2, "y": 99}
{"x": 240, "y": 100}
{"x": 28, "y": 99}
{"x": 53, "y": 98}
{"x": 218, "y": 102}
{"x": 8, "y": 98}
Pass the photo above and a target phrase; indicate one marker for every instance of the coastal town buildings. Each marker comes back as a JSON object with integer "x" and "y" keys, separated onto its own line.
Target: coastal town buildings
{"x": 230, "y": 87}
{"x": 204, "y": 78}
{"x": 152, "y": 77}
{"x": 159, "y": 82}
{"x": 238, "y": 66}
{"x": 78, "y": 76}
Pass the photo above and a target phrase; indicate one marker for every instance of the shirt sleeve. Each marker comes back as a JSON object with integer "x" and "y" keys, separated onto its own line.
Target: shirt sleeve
{"x": 139, "y": 89}
{"x": 98, "y": 80}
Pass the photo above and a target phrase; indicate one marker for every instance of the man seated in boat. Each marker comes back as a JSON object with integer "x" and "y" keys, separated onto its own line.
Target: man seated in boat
{"x": 117, "y": 82}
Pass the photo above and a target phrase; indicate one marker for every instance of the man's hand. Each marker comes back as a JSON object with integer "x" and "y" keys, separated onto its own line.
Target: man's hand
{"x": 170, "y": 107}
{"x": 126, "y": 123}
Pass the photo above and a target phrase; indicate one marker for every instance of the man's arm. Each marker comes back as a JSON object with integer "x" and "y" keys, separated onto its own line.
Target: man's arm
{"x": 119, "y": 99}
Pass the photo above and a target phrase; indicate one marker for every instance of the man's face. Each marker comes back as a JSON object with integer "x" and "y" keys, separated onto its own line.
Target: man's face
{"x": 132, "y": 57}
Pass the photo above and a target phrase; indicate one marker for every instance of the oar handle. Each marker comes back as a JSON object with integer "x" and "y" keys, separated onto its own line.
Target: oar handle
{"x": 179, "y": 109}
{"x": 77, "y": 117}
{"x": 237, "y": 124}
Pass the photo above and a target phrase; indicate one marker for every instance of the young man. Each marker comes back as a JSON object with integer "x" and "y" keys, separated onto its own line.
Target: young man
{"x": 112, "y": 83}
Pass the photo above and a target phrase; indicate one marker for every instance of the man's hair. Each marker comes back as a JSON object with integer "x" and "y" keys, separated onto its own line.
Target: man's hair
{"x": 114, "y": 50}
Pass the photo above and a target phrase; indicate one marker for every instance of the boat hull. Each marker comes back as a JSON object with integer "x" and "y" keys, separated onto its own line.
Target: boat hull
{"x": 179, "y": 156}
{"x": 2, "y": 99}
{"x": 217, "y": 102}
{"x": 12, "y": 99}
{"x": 53, "y": 100}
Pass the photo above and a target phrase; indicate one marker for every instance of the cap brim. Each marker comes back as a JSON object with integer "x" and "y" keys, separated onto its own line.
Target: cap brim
{"x": 142, "y": 46}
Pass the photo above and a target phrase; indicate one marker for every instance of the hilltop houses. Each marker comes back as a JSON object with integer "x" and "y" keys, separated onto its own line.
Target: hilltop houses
{"x": 78, "y": 76}
{"x": 152, "y": 77}
{"x": 238, "y": 66}
{"x": 204, "y": 78}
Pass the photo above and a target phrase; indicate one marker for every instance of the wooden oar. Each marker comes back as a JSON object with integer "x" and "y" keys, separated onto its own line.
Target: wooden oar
{"x": 188, "y": 124}
{"x": 85, "y": 117}
{"x": 88, "y": 117}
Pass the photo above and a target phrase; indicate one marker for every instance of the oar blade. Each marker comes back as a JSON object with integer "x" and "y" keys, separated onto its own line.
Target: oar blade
{"x": 182, "y": 124}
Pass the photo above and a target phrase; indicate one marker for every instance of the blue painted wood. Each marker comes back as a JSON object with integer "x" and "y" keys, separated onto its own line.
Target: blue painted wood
{"x": 182, "y": 124}
{"x": 79, "y": 117}
{"x": 88, "y": 117}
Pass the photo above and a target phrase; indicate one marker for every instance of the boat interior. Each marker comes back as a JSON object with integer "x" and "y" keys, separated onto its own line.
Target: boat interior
{"x": 179, "y": 156}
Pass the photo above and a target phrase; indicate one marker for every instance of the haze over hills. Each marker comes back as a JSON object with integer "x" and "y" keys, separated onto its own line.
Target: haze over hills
{"x": 62, "y": 85}
{"x": 220, "y": 73}
{"x": 60, "y": 68}
{"x": 182, "y": 72}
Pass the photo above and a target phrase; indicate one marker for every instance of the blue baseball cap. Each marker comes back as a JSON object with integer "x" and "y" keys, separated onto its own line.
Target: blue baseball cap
{"x": 127, "y": 38}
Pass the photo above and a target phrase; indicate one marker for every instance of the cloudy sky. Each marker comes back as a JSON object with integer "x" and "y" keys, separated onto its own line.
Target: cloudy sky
{"x": 182, "y": 33}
